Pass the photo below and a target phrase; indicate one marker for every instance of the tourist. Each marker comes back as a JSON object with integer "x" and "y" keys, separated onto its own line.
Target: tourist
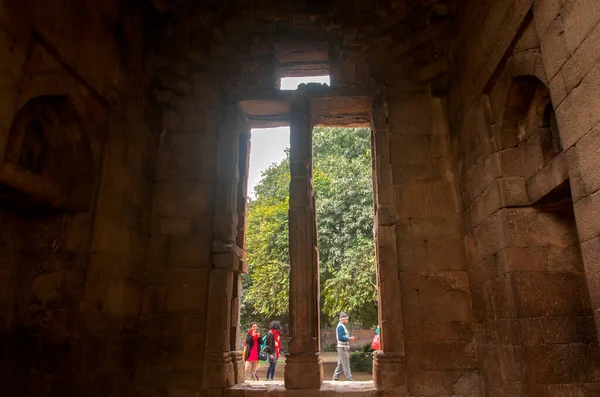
{"x": 251, "y": 351}
{"x": 272, "y": 349}
{"x": 343, "y": 348}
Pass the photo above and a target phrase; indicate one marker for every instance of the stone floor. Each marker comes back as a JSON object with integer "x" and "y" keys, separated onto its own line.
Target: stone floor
{"x": 276, "y": 388}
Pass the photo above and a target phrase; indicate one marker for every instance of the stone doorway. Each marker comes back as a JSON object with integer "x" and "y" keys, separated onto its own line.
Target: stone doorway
{"x": 318, "y": 105}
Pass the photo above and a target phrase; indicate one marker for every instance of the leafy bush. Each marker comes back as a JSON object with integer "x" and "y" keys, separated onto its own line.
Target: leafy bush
{"x": 361, "y": 361}
{"x": 342, "y": 178}
{"x": 332, "y": 347}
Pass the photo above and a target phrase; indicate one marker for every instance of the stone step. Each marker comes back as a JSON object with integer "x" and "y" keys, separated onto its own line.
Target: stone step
{"x": 277, "y": 389}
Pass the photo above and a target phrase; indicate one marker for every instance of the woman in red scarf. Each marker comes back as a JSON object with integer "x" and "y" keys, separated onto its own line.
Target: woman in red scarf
{"x": 253, "y": 342}
{"x": 272, "y": 349}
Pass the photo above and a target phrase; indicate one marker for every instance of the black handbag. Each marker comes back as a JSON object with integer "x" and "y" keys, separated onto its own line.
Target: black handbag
{"x": 262, "y": 356}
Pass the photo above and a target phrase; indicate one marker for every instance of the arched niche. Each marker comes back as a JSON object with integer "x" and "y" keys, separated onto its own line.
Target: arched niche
{"x": 48, "y": 158}
{"x": 529, "y": 114}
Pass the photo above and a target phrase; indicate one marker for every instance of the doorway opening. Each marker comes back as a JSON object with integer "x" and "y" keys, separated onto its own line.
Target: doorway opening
{"x": 265, "y": 288}
{"x": 343, "y": 189}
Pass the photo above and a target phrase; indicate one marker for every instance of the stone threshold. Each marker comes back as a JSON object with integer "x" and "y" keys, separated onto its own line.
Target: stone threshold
{"x": 277, "y": 388}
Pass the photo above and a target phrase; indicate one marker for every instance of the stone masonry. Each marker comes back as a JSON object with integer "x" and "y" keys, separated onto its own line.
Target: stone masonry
{"x": 124, "y": 149}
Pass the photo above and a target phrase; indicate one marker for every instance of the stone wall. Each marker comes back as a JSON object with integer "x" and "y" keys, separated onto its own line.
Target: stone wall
{"x": 535, "y": 328}
{"x": 363, "y": 337}
{"x": 436, "y": 344}
{"x": 76, "y": 168}
{"x": 123, "y": 156}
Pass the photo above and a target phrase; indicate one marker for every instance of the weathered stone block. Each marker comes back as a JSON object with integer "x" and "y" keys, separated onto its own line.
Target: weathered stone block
{"x": 503, "y": 297}
{"x": 430, "y": 383}
{"x": 490, "y": 236}
{"x": 189, "y": 277}
{"x": 443, "y": 197}
{"x": 190, "y": 251}
{"x": 411, "y": 115}
{"x": 303, "y": 372}
{"x": 389, "y": 373}
{"x": 577, "y": 114}
{"x": 548, "y": 178}
{"x": 574, "y": 390}
{"x": 432, "y": 331}
{"x": 410, "y": 149}
{"x": 582, "y": 60}
{"x": 186, "y": 299}
{"x": 522, "y": 228}
{"x": 591, "y": 258}
{"x": 587, "y": 212}
{"x": 412, "y": 201}
{"x": 182, "y": 199}
{"x": 440, "y": 297}
{"x": 562, "y": 330}
{"x": 512, "y": 161}
{"x": 430, "y": 228}
{"x": 416, "y": 173}
{"x": 554, "y": 47}
{"x": 579, "y": 18}
{"x": 565, "y": 259}
{"x": 545, "y": 12}
{"x": 514, "y": 259}
{"x": 154, "y": 300}
{"x": 588, "y": 162}
{"x": 441, "y": 356}
{"x": 552, "y": 364}
{"x": 543, "y": 294}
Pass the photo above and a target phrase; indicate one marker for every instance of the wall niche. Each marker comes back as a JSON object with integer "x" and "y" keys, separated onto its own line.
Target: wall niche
{"x": 49, "y": 178}
{"x": 48, "y": 157}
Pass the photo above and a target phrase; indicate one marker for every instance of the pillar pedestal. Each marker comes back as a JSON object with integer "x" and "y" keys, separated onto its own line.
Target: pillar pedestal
{"x": 389, "y": 372}
{"x": 303, "y": 371}
{"x": 238, "y": 366}
{"x": 219, "y": 372}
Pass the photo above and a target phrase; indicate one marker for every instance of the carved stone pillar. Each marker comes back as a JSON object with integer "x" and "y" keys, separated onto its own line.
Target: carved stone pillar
{"x": 222, "y": 365}
{"x": 242, "y": 215}
{"x": 389, "y": 366}
{"x": 303, "y": 368}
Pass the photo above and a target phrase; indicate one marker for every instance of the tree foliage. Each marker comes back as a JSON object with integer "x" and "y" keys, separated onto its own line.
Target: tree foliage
{"x": 343, "y": 190}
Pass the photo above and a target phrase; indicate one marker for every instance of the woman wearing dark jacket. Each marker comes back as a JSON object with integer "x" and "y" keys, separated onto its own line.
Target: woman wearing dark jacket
{"x": 272, "y": 349}
{"x": 253, "y": 343}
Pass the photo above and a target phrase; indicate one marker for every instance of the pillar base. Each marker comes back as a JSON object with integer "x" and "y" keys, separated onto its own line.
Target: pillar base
{"x": 238, "y": 367}
{"x": 219, "y": 372}
{"x": 389, "y": 372}
{"x": 303, "y": 371}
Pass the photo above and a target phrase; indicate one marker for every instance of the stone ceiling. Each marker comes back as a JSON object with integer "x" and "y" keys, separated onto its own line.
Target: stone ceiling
{"x": 408, "y": 34}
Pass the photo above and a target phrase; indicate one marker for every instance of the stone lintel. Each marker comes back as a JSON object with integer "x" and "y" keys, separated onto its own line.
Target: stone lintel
{"x": 303, "y": 371}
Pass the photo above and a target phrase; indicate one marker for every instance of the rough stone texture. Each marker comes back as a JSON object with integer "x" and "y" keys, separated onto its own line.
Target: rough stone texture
{"x": 72, "y": 262}
{"x": 124, "y": 142}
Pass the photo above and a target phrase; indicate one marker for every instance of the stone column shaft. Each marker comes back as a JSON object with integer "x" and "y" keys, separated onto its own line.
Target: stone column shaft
{"x": 303, "y": 365}
{"x": 389, "y": 367}
{"x": 222, "y": 366}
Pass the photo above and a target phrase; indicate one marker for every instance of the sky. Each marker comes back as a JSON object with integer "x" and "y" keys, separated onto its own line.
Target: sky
{"x": 268, "y": 144}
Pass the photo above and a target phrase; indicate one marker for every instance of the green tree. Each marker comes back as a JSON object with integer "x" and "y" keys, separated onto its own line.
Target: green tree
{"x": 343, "y": 189}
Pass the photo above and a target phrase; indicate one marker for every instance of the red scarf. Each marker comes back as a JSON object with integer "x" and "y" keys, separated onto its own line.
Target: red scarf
{"x": 276, "y": 340}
